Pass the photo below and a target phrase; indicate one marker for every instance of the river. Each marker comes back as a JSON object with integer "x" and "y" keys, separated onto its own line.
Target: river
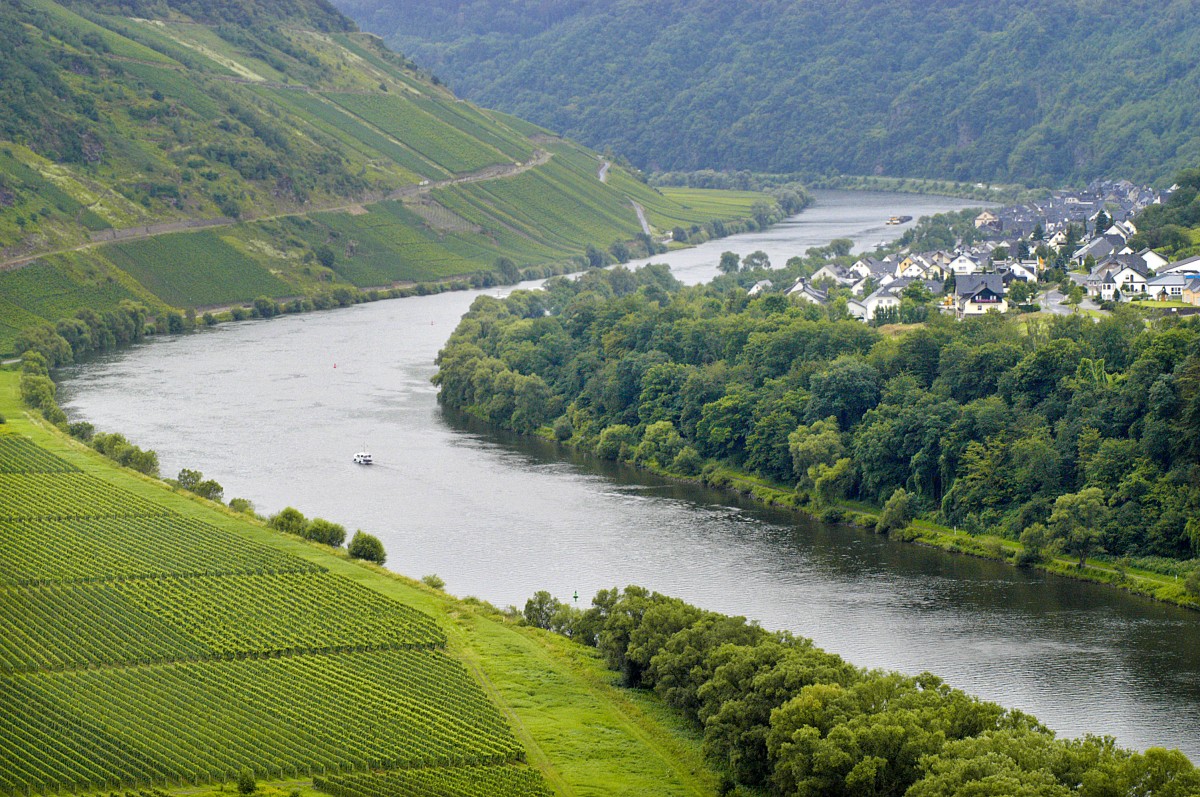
{"x": 274, "y": 411}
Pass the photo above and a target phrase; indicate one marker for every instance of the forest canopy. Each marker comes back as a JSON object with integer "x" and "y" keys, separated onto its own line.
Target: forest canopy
{"x": 997, "y": 424}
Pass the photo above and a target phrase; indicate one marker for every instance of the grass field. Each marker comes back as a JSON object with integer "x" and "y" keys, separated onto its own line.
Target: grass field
{"x": 127, "y": 666}
{"x": 194, "y": 269}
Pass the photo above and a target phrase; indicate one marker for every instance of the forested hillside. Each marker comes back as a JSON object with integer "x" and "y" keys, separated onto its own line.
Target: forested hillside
{"x": 197, "y": 155}
{"x": 1045, "y": 92}
{"x": 1072, "y": 435}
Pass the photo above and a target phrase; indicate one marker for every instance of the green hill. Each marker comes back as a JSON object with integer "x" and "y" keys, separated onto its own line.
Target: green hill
{"x": 196, "y": 154}
{"x": 154, "y": 641}
{"x": 1044, "y": 92}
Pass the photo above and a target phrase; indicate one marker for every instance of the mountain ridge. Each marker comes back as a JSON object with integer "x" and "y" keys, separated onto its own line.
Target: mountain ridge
{"x": 1048, "y": 92}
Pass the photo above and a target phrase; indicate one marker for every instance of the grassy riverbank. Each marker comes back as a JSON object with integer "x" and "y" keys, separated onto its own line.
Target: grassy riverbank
{"x": 574, "y": 725}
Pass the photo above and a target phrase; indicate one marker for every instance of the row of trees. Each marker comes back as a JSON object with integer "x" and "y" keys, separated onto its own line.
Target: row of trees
{"x": 362, "y": 545}
{"x": 989, "y": 424}
{"x": 781, "y": 715}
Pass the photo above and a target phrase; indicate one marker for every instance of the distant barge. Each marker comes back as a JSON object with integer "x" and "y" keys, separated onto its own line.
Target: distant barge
{"x": 899, "y": 219}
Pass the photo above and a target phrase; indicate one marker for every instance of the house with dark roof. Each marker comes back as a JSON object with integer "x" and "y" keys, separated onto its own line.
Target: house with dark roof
{"x": 976, "y": 294}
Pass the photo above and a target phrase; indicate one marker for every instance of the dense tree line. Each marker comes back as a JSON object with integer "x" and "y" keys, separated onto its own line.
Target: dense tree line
{"x": 1166, "y": 226}
{"x": 1019, "y": 425}
{"x": 781, "y": 715}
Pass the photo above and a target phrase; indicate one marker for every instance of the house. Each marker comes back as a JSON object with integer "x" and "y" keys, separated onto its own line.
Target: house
{"x": 1016, "y": 270}
{"x": 758, "y": 287}
{"x": 964, "y": 264}
{"x": 1167, "y": 288}
{"x": 805, "y": 292}
{"x": 989, "y": 220}
{"x": 1153, "y": 260}
{"x": 1189, "y": 265}
{"x": 976, "y": 294}
{"x": 881, "y": 300}
{"x": 1123, "y": 274}
{"x": 1191, "y": 291}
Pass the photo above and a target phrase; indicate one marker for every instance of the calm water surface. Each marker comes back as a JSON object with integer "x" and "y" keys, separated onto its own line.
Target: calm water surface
{"x": 274, "y": 411}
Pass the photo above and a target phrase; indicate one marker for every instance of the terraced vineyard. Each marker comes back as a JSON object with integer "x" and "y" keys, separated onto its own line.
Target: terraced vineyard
{"x": 145, "y": 647}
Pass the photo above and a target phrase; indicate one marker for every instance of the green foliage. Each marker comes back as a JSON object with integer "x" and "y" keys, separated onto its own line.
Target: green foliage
{"x": 898, "y": 512}
{"x": 366, "y": 546}
{"x": 246, "y": 784}
{"x": 984, "y": 424}
{"x": 325, "y": 531}
{"x": 817, "y": 87}
{"x": 196, "y": 268}
{"x": 780, "y": 715}
{"x": 289, "y": 520}
{"x": 122, "y": 615}
{"x": 433, "y": 580}
{"x": 119, "y": 450}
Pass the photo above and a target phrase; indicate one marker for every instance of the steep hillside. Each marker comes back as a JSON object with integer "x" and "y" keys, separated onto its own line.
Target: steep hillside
{"x": 197, "y": 154}
{"x": 154, "y": 641}
{"x": 1042, "y": 92}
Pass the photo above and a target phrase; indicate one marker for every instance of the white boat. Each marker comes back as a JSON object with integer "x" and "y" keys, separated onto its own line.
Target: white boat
{"x": 363, "y": 458}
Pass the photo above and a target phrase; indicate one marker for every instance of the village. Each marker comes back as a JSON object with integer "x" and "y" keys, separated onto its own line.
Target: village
{"x": 1071, "y": 251}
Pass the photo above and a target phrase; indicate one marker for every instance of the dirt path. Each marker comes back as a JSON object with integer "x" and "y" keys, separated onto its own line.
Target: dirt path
{"x": 498, "y": 172}
{"x": 603, "y": 173}
{"x": 641, "y": 217}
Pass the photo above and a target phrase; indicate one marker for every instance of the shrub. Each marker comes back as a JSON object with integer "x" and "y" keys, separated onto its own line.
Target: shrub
{"x": 289, "y": 520}
{"x": 242, "y": 505}
{"x": 433, "y": 580}
{"x": 368, "y": 547}
{"x": 81, "y": 430}
{"x": 898, "y": 512}
{"x": 326, "y": 532}
{"x": 688, "y": 461}
{"x": 246, "y": 783}
{"x": 1192, "y": 583}
{"x": 563, "y": 429}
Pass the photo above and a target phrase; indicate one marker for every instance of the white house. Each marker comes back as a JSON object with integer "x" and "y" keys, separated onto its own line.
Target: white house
{"x": 758, "y": 287}
{"x": 1189, "y": 265}
{"x": 805, "y": 292}
{"x": 976, "y": 294}
{"x": 1168, "y": 287}
{"x": 1153, "y": 260}
{"x": 964, "y": 265}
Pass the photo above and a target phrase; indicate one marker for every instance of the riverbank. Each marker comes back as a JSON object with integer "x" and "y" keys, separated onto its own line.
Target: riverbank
{"x": 1156, "y": 586}
{"x": 578, "y": 727}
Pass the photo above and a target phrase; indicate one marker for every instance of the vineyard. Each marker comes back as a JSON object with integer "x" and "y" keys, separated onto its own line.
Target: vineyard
{"x": 198, "y": 722}
{"x": 194, "y": 269}
{"x": 176, "y": 619}
{"x": 45, "y": 292}
{"x": 142, "y": 647}
{"x": 484, "y": 781}
{"x": 433, "y": 137}
{"x": 353, "y": 132}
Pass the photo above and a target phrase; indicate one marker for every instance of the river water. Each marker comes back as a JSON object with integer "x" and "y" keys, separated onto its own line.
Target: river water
{"x": 274, "y": 411}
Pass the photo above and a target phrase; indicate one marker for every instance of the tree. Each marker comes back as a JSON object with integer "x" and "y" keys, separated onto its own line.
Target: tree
{"x": 509, "y": 272}
{"x": 1077, "y": 522}
{"x": 1034, "y": 541}
{"x": 540, "y": 609}
{"x": 289, "y": 520}
{"x": 325, "y": 531}
{"x": 1020, "y": 292}
{"x": 730, "y": 263}
{"x": 325, "y": 256}
{"x": 755, "y": 260}
{"x": 366, "y": 546}
{"x": 898, "y": 512}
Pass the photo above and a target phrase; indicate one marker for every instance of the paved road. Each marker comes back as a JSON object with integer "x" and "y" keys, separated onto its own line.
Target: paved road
{"x": 1054, "y": 301}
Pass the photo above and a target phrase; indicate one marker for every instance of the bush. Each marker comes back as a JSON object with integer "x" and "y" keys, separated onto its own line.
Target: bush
{"x": 246, "y": 783}
{"x": 326, "y": 532}
{"x": 563, "y": 430}
{"x": 82, "y": 430}
{"x": 368, "y": 547}
{"x": 242, "y": 505}
{"x": 688, "y": 461}
{"x": 238, "y": 313}
{"x": 433, "y": 580}
{"x": 898, "y": 512}
{"x": 1192, "y": 583}
{"x": 289, "y": 520}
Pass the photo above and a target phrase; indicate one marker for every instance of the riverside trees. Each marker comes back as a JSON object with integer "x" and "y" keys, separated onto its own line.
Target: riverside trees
{"x": 986, "y": 424}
